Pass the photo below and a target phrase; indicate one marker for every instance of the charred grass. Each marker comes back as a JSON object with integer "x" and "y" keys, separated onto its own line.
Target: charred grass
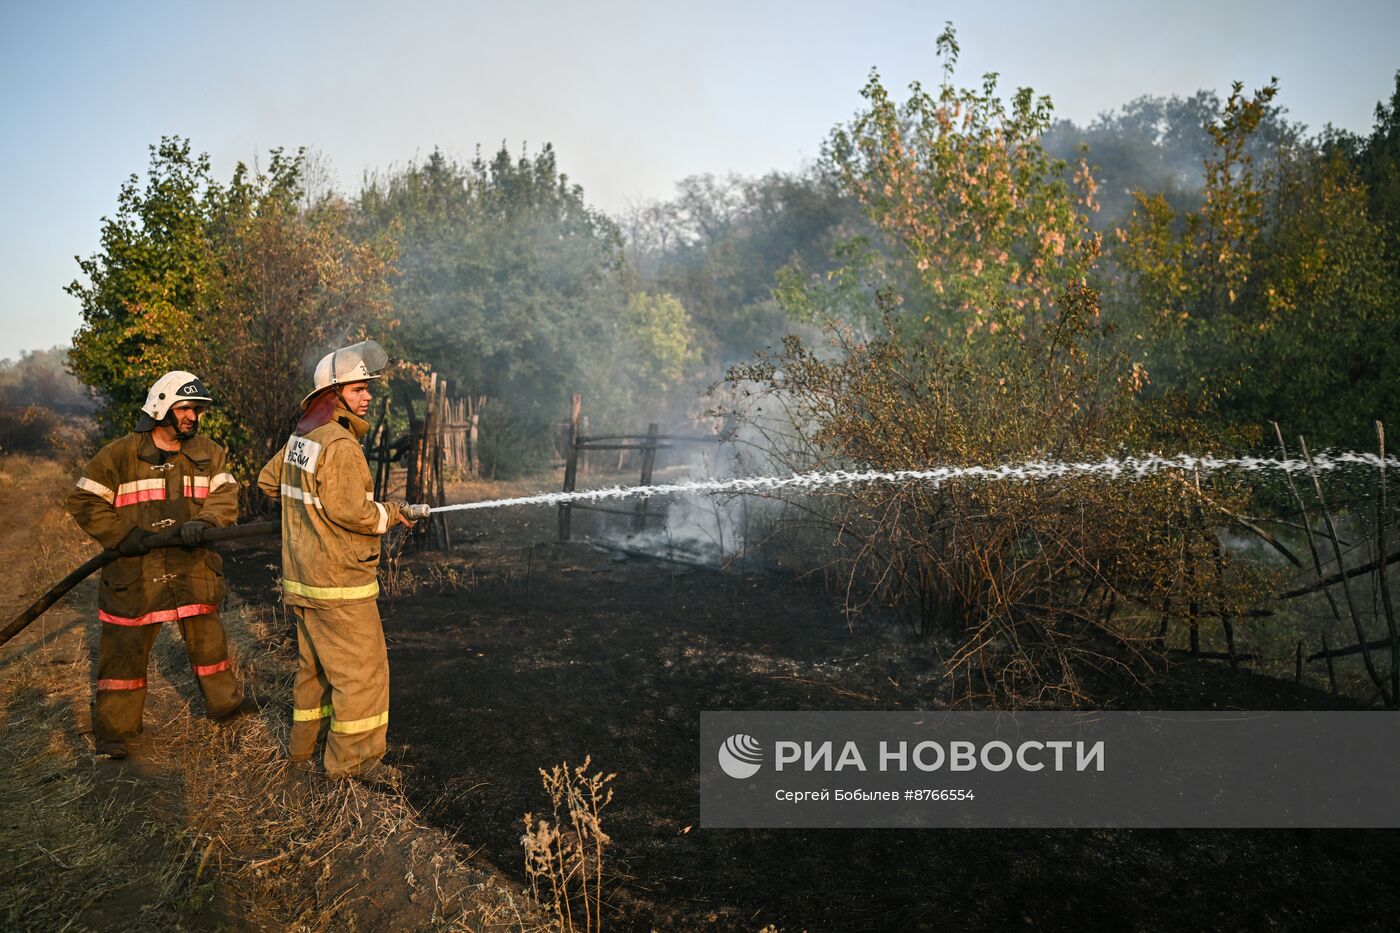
{"x": 562, "y": 652}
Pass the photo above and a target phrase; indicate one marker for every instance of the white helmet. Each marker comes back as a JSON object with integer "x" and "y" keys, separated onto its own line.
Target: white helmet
{"x": 359, "y": 362}
{"x": 173, "y": 387}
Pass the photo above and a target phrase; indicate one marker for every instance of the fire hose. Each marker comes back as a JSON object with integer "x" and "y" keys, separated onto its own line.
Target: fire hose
{"x": 163, "y": 539}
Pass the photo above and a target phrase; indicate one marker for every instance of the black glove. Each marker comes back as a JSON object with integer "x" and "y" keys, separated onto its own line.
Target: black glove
{"x": 192, "y": 533}
{"x": 134, "y": 544}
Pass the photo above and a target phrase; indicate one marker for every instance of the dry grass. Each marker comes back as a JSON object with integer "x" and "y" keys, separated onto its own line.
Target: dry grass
{"x": 401, "y": 575}
{"x": 35, "y": 489}
{"x": 68, "y": 846}
{"x": 206, "y": 826}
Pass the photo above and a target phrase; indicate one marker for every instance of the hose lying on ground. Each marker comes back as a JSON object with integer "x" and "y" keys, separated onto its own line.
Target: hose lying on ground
{"x": 164, "y": 539}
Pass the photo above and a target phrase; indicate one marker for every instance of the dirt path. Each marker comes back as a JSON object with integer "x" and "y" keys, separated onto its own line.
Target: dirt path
{"x": 551, "y": 654}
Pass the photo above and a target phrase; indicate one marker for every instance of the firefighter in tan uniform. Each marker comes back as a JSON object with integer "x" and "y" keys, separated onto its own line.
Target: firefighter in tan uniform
{"x": 330, "y": 558}
{"x": 161, "y": 476}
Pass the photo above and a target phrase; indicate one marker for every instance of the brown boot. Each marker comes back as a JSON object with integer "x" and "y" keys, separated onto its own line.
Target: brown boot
{"x": 115, "y": 749}
{"x": 246, "y": 706}
{"x": 379, "y": 777}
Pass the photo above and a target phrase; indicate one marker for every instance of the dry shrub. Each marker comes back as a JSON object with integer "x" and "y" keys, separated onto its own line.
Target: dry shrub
{"x": 26, "y": 429}
{"x": 1040, "y": 581}
{"x": 565, "y": 862}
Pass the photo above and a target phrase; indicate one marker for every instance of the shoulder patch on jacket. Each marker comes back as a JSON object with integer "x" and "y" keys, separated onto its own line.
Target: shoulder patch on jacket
{"x": 302, "y": 453}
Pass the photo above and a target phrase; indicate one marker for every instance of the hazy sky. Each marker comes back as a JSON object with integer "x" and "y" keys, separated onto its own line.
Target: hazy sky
{"x": 634, "y": 95}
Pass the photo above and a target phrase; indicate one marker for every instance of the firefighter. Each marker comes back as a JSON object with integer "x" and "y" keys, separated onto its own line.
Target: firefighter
{"x": 162, "y": 475}
{"x": 331, "y": 527}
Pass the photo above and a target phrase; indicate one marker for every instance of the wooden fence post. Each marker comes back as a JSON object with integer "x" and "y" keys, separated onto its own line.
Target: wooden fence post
{"x": 1382, "y": 516}
{"x": 473, "y": 425}
{"x": 570, "y": 466}
{"x": 639, "y": 522}
{"x": 414, "y": 452}
{"x": 381, "y": 464}
{"x": 439, "y": 466}
{"x": 585, "y": 462}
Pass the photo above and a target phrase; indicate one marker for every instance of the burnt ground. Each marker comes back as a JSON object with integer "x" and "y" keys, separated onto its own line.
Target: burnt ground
{"x": 551, "y": 653}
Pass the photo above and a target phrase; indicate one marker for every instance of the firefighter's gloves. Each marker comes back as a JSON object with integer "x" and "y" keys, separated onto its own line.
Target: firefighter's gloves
{"x": 410, "y": 513}
{"x": 137, "y": 540}
{"x": 192, "y": 533}
{"x": 134, "y": 544}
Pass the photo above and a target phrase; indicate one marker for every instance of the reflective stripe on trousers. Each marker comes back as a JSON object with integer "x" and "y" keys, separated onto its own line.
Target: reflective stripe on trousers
{"x": 123, "y": 655}
{"x": 331, "y": 592}
{"x": 341, "y": 694}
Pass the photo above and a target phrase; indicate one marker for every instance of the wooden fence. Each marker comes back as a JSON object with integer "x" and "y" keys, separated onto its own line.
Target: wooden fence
{"x": 578, "y": 444}
{"x": 442, "y": 443}
{"x": 1381, "y": 656}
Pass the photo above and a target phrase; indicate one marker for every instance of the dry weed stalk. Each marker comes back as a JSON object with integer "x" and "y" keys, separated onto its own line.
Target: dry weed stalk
{"x": 565, "y": 863}
{"x": 397, "y": 579}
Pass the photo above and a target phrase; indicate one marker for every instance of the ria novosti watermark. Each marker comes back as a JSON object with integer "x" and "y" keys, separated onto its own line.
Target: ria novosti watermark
{"x": 1049, "y": 769}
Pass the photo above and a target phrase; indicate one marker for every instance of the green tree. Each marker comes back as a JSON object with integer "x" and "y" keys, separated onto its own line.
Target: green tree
{"x": 289, "y": 283}
{"x": 959, "y": 184}
{"x": 1159, "y": 145}
{"x": 720, "y": 243}
{"x": 500, "y": 264}
{"x": 1316, "y": 343}
{"x": 659, "y": 343}
{"x": 1271, "y": 301}
{"x": 144, "y": 284}
{"x": 1184, "y": 272}
{"x": 514, "y": 288}
{"x": 1376, "y": 159}
{"x": 238, "y": 283}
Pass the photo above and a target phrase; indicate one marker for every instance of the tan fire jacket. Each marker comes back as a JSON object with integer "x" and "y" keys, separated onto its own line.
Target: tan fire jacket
{"x": 330, "y": 521}
{"x": 131, "y": 483}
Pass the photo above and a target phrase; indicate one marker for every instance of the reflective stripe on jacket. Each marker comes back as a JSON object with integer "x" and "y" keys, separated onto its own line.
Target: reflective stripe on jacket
{"x": 330, "y": 521}
{"x": 130, "y": 484}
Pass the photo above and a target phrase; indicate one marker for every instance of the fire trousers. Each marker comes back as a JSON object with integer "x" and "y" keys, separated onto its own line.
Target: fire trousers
{"x": 123, "y": 655}
{"x": 341, "y": 695}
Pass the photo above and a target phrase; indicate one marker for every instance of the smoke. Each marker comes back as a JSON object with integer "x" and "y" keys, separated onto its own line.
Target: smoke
{"x": 41, "y": 377}
{"x": 1158, "y": 145}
